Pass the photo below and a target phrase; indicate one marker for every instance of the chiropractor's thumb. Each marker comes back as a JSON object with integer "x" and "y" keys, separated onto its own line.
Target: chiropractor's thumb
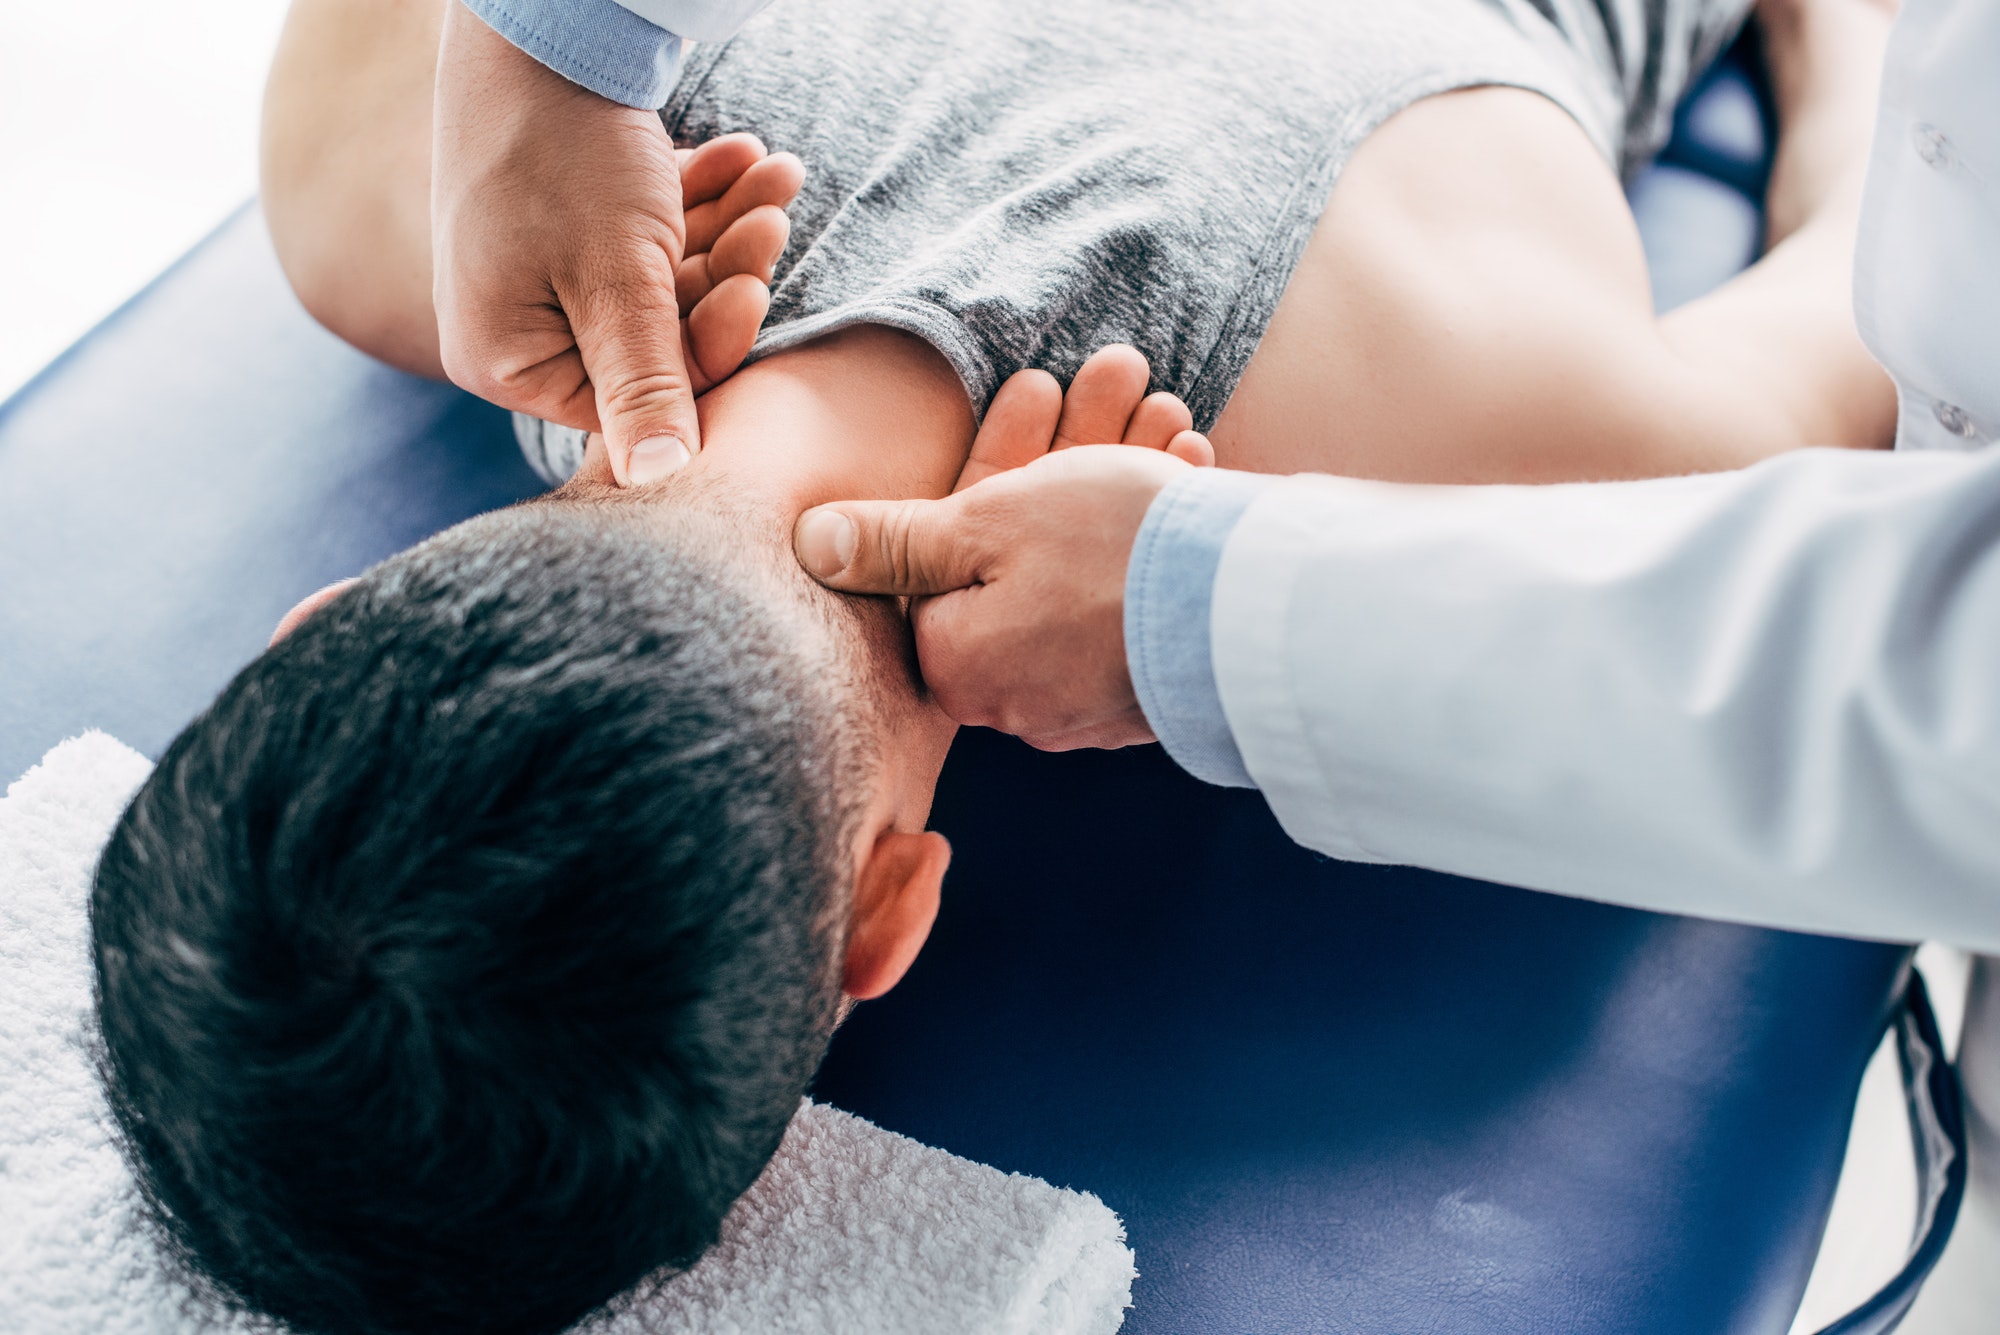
{"x": 903, "y": 547}
{"x": 632, "y": 352}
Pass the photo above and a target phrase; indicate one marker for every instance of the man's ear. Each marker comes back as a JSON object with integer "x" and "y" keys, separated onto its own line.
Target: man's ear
{"x": 895, "y": 902}
{"x": 306, "y": 606}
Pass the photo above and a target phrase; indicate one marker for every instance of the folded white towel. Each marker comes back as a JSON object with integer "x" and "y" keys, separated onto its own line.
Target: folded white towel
{"x": 851, "y": 1229}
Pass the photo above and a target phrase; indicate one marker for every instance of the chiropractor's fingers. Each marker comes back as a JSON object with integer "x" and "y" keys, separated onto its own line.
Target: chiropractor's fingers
{"x": 1158, "y": 419}
{"x": 719, "y": 332}
{"x": 773, "y": 181}
{"x": 1024, "y": 419}
{"x": 751, "y": 246}
{"x": 709, "y": 169}
{"x": 1102, "y": 397}
{"x": 1191, "y": 447}
{"x": 628, "y": 332}
{"x": 734, "y": 196}
{"x": 898, "y": 547}
{"x": 1019, "y": 424}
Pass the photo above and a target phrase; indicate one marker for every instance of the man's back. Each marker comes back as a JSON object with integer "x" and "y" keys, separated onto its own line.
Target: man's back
{"x": 1022, "y": 186}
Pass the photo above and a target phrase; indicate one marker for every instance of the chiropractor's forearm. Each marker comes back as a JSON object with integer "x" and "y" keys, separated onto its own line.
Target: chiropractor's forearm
{"x": 627, "y": 50}
{"x": 1770, "y": 696}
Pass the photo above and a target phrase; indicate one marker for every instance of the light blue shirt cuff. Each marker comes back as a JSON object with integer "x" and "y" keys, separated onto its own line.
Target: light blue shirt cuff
{"x": 596, "y": 43}
{"x": 1169, "y": 589}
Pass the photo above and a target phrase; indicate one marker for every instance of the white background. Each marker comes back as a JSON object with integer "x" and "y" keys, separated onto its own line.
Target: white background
{"x": 127, "y": 131}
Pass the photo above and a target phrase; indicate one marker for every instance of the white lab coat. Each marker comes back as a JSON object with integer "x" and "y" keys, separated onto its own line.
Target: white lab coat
{"x": 1771, "y": 696}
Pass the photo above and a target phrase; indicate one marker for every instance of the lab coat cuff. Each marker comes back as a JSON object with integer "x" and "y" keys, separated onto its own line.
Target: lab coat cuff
{"x": 598, "y": 44}
{"x": 1169, "y": 589}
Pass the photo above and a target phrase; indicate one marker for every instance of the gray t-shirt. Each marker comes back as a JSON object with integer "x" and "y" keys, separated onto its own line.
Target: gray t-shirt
{"x": 1019, "y": 183}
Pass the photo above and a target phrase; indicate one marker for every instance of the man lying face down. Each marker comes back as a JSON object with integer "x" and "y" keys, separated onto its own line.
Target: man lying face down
{"x": 466, "y": 960}
{"x": 468, "y": 957}
{"x": 492, "y": 923}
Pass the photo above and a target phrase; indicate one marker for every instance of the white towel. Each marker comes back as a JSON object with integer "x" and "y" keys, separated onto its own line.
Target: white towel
{"x": 851, "y": 1228}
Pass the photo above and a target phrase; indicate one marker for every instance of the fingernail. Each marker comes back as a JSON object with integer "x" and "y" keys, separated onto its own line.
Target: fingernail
{"x": 655, "y": 457}
{"x": 825, "y": 542}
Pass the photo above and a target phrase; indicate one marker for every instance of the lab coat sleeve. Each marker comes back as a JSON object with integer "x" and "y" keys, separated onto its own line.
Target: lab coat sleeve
{"x": 1168, "y": 585}
{"x": 1770, "y": 696}
{"x": 627, "y": 50}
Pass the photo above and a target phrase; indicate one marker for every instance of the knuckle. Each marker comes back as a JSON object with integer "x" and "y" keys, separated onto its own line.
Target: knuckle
{"x": 1041, "y": 709}
{"x": 897, "y": 547}
{"x": 949, "y": 673}
{"x": 1019, "y": 722}
{"x": 641, "y": 396}
{"x": 967, "y": 708}
{"x": 479, "y": 371}
{"x": 461, "y": 351}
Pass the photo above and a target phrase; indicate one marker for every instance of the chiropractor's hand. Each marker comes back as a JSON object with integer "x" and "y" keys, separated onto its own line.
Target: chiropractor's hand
{"x": 564, "y": 261}
{"x": 1025, "y": 629}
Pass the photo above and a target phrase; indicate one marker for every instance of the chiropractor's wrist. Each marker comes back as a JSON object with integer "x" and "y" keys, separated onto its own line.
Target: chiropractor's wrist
{"x": 1169, "y": 590}
{"x": 599, "y": 44}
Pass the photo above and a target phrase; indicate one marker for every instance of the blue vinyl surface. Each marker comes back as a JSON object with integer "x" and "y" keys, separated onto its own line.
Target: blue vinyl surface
{"x": 1324, "y": 1097}
{"x": 204, "y": 459}
{"x": 1330, "y": 1097}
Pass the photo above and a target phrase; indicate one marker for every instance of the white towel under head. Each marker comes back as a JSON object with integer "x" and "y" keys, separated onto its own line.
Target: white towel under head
{"x": 851, "y": 1228}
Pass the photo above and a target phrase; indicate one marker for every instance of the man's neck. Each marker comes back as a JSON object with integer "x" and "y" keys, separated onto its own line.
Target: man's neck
{"x": 867, "y": 413}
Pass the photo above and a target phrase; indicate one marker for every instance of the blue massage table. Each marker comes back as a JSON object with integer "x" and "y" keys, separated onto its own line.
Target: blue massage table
{"x": 1324, "y": 1097}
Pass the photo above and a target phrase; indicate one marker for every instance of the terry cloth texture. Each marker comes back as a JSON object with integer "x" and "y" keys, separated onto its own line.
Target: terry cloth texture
{"x": 1021, "y": 183}
{"x": 852, "y": 1230}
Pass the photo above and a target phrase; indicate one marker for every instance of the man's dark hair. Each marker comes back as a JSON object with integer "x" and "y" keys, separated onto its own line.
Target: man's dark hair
{"x": 466, "y": 960}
